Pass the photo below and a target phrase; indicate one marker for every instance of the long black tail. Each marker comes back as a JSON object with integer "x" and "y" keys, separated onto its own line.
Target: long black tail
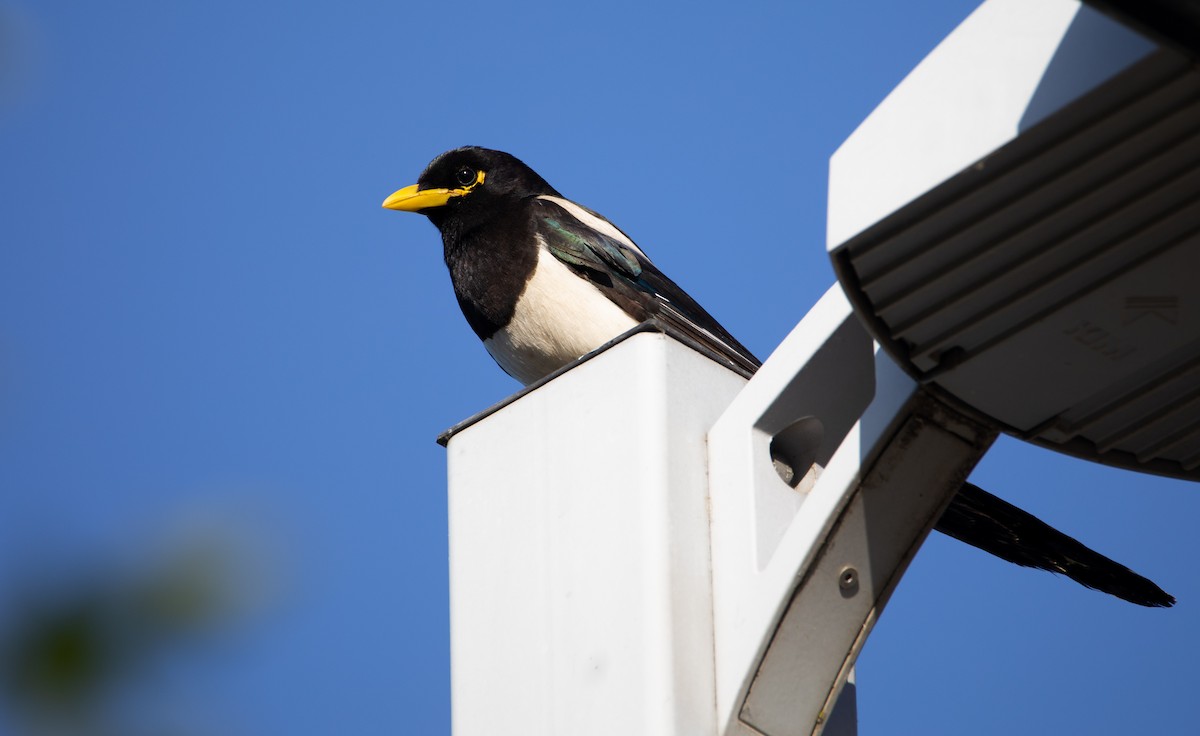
{"x": 997, "y": 527}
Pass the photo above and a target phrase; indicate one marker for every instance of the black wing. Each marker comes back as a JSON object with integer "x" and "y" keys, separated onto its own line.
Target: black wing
{"x": 622, "y": 272}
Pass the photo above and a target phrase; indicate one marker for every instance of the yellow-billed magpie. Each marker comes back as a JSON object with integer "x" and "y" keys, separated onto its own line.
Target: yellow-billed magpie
{"x": 543, "y": 280}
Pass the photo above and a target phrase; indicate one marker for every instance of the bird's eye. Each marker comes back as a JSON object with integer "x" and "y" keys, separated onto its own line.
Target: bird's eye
{"x": 465, "y": 176}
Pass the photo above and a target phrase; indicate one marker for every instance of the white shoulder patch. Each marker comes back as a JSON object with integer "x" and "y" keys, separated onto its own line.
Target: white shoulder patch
{"x": 594, "y": 221}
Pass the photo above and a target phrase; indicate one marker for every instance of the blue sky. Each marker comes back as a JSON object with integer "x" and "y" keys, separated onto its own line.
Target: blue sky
{"x": 206, "y": 320}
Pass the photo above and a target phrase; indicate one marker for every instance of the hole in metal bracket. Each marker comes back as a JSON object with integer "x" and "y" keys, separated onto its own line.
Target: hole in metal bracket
{"x": 794, "y": 450}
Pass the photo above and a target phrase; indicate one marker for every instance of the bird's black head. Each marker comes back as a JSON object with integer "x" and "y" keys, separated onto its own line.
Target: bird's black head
{"x": 466, "y": 187}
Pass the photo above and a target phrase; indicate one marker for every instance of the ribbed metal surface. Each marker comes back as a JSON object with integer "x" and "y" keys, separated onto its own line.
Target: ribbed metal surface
{"x": 1060, "y": 277}
{"x": 1153, "y": 416}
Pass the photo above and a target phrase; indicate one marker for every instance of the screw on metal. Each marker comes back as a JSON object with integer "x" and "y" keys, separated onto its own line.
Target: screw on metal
{"x": 848, "y": 581}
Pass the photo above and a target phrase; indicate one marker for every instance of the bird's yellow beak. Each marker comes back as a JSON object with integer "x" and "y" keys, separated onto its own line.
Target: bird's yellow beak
{"x": 409, "y": 199}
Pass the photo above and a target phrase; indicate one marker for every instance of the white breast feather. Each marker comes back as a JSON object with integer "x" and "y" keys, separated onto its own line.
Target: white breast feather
{"x": 559, "y": 317}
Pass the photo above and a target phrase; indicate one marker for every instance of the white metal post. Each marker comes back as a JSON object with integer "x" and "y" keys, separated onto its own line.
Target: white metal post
{"x": 581, "y": 598}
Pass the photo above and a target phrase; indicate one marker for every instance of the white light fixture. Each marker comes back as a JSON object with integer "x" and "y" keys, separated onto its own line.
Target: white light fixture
{"x": 1018, "y": 224}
